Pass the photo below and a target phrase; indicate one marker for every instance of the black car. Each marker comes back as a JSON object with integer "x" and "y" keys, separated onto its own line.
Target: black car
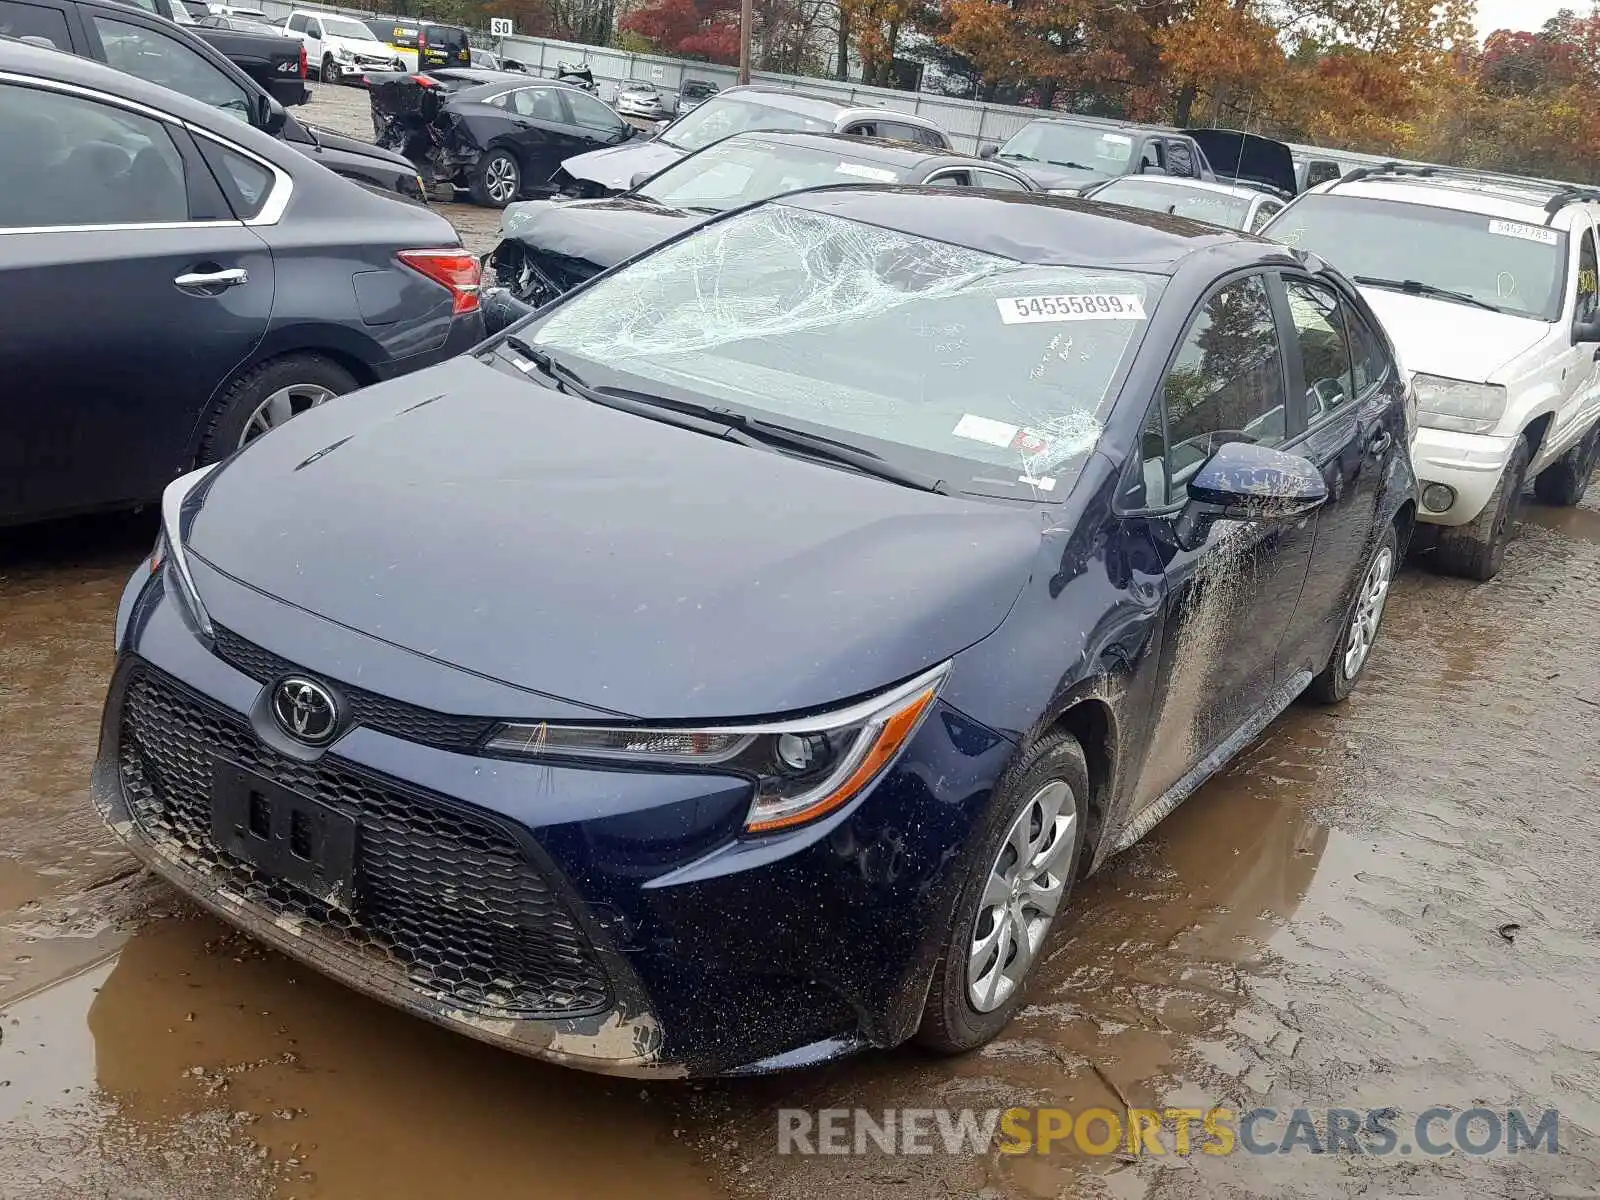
{"x": 738, "y": 665}
{"x": 549, "y": 246}
{"x": 157, "y": 50}
{"x": 496, "y": 136}
{"x": 738, "y": 110}
{"x": 277, "y": 63}
{"x": 1065, "y": 155}
{"x": 190, "y": 283}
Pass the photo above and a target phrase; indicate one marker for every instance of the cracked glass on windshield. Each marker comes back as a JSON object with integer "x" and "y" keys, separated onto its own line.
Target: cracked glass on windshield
{"x": 1087, "y": 146}
{"x": 1514, "y": 266}
{"x": 989, "y": 374}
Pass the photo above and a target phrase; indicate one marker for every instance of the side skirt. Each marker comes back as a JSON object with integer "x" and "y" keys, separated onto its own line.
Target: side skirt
{"x": 1213, "y": 762}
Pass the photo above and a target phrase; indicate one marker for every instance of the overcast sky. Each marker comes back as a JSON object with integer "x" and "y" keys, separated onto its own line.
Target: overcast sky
{"x": 1521, "y": 14}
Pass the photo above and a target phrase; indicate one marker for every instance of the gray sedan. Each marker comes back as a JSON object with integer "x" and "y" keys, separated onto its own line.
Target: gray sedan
{"x": 1230, "y": 205}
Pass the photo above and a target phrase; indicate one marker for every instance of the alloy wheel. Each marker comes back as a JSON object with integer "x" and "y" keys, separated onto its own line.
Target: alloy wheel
{"x": 1021, "y": 896}
{"x": 281, "y": 405}
{"x": 500, "y": 180}
{"x": 1369, "y": 612}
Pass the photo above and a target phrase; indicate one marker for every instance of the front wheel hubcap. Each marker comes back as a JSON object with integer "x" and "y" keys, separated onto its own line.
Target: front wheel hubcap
{"x": 501, "y": 179}
{"x": 1022, "y": 893}
{"x": 281, "y": 405}
{"x": 1369, "y": 612}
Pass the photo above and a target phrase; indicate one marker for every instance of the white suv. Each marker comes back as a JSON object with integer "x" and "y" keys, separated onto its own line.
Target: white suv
{"x": 340, "y": 47}
{"x": 1487, "y": 287}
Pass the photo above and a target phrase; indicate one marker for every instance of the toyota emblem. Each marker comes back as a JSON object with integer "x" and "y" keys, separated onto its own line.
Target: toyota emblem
{"x": 305, "y": 711}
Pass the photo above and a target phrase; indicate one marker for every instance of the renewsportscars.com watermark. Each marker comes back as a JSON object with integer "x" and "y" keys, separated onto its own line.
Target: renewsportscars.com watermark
{"x": 1161, "y": 1131}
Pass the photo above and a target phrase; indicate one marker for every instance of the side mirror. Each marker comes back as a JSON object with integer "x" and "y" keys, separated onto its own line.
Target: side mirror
{"x": 1586, "y": 332}
{"x": 638, "y": 178}
{"x": 1246, "y": 482}
{"x": 988, "y": 150}
{"x": 273, "y": 115}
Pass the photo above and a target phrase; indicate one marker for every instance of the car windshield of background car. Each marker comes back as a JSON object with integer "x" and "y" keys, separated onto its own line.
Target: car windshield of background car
{"x": 734, "y": 173}
{"x": 1083, "y": 146}
{"x": 1517, "y": 267}
{"x": 721, "y": 116}
{"x": 1198, "y": 204}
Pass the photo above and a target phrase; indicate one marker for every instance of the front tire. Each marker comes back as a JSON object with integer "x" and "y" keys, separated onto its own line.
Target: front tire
{"x": 269, "y": 394}
{"x": 1477, "y": 549}
{"x": 1020, "y": 879}
{"x": 497, "y": 179}
{"x": 330, "y": 72}
{"x": 1564, "y": 481}
{"x": 1353, "y": 650}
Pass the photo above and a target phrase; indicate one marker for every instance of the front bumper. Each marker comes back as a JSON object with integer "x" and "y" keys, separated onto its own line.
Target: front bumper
{"x": 1468, "y": 463}
{"x": 690, "y": 950}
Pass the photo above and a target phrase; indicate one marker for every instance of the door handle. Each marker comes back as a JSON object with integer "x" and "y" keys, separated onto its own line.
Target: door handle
{"x": 1380, "y": 443}
{"x": 232, "y": 277}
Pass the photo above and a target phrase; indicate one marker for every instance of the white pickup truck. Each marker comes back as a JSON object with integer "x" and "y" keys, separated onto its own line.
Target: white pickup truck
{"x": 339, "y": 48}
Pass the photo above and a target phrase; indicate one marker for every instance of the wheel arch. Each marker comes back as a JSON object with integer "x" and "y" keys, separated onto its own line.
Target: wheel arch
{"x": 1089, "y": 717}
{"x": 1534, "y": 433}
{"x": 311, "y": 341}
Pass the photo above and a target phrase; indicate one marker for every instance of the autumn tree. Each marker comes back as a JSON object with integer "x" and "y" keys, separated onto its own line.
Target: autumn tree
{"x": 1224, "y": 54}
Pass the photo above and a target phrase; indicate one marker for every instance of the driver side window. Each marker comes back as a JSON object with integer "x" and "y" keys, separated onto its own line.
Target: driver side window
{"x": 1225, "y": 385}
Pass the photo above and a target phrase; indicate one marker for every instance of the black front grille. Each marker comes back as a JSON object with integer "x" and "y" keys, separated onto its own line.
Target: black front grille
{"x": 396, "y": 717}
{"x": 443, "y": 901}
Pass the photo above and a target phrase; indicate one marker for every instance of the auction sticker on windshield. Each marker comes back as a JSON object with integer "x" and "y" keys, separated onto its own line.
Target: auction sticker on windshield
{"x": 877, "y": 174}
{"x": 1528, "y": 233}
{"x": 1029, "y": 310}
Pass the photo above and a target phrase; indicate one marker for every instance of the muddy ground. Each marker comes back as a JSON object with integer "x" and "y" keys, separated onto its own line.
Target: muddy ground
{"x": 1318, "y": 927}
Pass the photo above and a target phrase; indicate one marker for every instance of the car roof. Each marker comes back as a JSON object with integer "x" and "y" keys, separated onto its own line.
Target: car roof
{"x": 1241, "y": 191}
{"x": 1034, "y": 228}
{"x": 900, "y": 155}
{"x": 791, "y": 101}
{"x": 1505, "y": 196}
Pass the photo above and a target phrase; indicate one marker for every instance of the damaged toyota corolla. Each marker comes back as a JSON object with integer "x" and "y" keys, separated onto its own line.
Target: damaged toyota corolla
{"x": 736, "y": 664}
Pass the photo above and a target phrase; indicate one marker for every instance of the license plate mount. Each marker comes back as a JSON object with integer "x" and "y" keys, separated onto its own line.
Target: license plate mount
{"x": 284, "y": 833}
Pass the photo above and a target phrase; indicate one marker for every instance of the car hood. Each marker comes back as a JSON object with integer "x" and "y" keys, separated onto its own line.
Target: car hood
{"x": 529, "y": 536}
{"x": 1248, "y": 157}
{"x": 1441, "y": 337}
{"x": 615, "y": 166}
{"x": 350, "y": 145}
{"x": 361, "y": 45}
{"x": 1048, "y": 175}
{"x": 600, "y": 232}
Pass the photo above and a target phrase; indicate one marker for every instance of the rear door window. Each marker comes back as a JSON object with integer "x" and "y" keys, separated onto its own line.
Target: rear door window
{"x": 539, "y": 103}
{"x": 86, "y": 164}
{"x": 997, "y": 180}
{"x": 1588, "y": 285}
{"x": 35, "y": 21}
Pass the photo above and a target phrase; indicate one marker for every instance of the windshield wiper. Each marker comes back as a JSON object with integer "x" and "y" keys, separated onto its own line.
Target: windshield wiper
{"x": 1056, "y": 162}
{"x": 1415, "y": 287}
{"x": 750, "y": 430}
{"x": 734, "y": 426}
{"x": 1015, "y": 157}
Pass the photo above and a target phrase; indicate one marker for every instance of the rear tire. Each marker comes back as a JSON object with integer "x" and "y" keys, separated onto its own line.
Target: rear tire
{"x": 497, "y": 179}
{"x": 288, "y": 385}
{"x": 1564, "y": 481}
{"x": 1362, "y": 622}
{"x": 1051, "y": 776}
{"x": 1477, "y": 549}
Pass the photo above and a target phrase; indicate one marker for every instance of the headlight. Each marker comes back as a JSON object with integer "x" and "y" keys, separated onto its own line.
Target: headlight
{"x": 342, "y": 53}
{"x": 1458, "y": 405}
{"x": 178, "y": 504}
{"x": 802, "y": 769}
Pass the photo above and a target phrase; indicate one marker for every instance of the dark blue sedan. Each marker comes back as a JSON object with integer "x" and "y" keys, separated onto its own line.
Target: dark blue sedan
{"x": 736, "y": 664}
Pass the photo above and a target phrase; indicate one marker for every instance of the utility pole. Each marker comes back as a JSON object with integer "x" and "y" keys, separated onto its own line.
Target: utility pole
{"x": 746, "y": 19}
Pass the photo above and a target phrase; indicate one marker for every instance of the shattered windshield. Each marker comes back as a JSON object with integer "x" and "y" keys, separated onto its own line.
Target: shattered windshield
{"x": 1516, "y": 267}
{"x": 737, "y": 172}
{"x": 1084, "y": 146}
{"x": 722, "y": 116}
{"x": 992, "y": 375}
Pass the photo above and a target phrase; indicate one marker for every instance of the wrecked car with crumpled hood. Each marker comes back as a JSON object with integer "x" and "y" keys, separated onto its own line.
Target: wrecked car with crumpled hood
{"x": 497, "y": 135}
